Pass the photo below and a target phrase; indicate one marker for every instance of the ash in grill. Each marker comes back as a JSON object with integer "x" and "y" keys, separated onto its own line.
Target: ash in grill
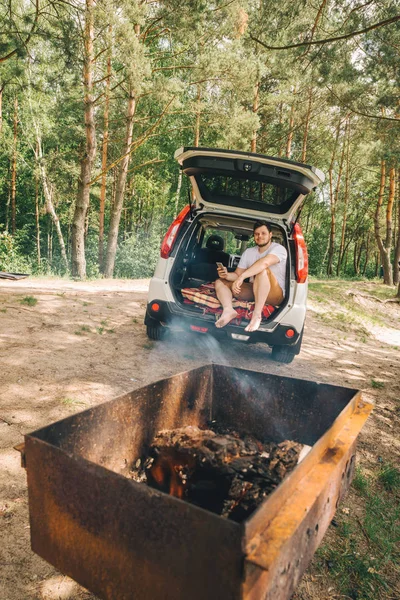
{"x": 218, "y": 471}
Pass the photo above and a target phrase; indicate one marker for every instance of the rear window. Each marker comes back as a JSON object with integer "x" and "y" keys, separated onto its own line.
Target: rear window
{"x": 223, "y": 188}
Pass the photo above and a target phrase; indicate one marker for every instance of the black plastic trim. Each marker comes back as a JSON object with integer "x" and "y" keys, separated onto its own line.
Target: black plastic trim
{"x": 179, "y": 318}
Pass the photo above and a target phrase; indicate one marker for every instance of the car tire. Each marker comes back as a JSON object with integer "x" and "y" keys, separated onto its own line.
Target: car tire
{"x": 155, "y": 331}
{"x": 283, "y": 354}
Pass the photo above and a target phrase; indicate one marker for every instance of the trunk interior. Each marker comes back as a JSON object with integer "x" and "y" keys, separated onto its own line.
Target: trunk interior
{"x": 213, "y": 238}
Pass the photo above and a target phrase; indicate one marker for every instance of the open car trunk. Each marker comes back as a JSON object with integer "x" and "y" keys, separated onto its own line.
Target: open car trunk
{"x": 213, "y": 238}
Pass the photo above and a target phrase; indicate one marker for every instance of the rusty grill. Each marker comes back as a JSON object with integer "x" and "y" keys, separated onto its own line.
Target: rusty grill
{"x": 123, "y": 540}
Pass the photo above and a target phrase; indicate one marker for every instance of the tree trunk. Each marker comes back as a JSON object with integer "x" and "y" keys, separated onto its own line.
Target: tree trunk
{"x": 8, "y": 202}
{"x": 14, "y": 169}
{"x": 367, "y": 251}
{"x": 120, "y": 189}
{"x": 359, "y": 257}
{"x": 256, "y": 104}
{"x": 388, "y": 276}
{"x": 198, "y": 116}
{"x": 345, "y": 203}
{"x": 37, "y": 214}
{"x": 396, "y": 262}
{"x": 104, "y": 164}
{"x": 280, "y": 149}
{"x": 384, "y": 248}
{"x": 355, "y": 254}
{"x": 1, "y": 109}
{"x": 48, "y": 195}
{"x": 291, "y": 125}
{"x": 333, "y": 199}
{"x": 377, "y": 225}
{"x": 83, "y": 196}
{"x": 306, "y": 127}
{"x": 50, "y": 242}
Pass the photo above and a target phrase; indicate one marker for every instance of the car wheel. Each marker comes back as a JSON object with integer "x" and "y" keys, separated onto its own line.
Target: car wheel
{"x": 283, "y": 354}
{"x": 155, "y": 331}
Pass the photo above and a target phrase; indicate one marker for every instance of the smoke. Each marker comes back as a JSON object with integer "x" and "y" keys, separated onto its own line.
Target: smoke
{"x": 213, "y": 349}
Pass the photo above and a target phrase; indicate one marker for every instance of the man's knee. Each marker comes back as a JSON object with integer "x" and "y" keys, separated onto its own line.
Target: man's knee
{"x": 264, "y": 273}
{"x": 222, "y": 283}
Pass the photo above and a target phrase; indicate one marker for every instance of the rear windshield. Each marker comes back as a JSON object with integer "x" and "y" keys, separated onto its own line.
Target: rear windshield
{"x": 220, "y": 188}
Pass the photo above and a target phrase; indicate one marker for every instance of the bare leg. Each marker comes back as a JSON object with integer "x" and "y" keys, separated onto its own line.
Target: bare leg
{"x": 266, "y": 289}
{"x": 224, "y": 295}
{"x": 261, "y": 290}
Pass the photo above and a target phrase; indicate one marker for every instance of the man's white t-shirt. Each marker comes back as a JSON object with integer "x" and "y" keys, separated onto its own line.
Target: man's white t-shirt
{"x": 252, "y": 255}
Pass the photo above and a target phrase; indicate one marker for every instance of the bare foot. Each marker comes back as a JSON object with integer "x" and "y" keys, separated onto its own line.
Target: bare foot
{"x": 227, "y": 315}
{"x": 254, "y": 323}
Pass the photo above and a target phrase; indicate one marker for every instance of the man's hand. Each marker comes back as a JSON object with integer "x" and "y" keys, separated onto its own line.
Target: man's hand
{"x": 237, "y": 285}
{"x": 222, "y": 272}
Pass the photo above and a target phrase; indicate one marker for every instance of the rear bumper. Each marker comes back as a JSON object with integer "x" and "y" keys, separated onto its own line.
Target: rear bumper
{"x": 170, "y": 315}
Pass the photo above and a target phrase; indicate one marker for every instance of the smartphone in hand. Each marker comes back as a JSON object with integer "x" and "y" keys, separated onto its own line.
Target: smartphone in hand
{"x": 219, "y": 265}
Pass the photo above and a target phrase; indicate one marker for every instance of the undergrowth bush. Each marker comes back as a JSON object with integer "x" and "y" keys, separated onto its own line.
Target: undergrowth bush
{"x": 137, "y": 256}
{"x": 11, "y": 258}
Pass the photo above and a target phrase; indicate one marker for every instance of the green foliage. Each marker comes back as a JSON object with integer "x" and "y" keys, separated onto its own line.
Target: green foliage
{"x": 137, "y": 256}
{"x": 360, "y": 482}
{"x": 363, "y": 555}
{"x": 29, "y": 301}
{"x": 194, "y": 69}
{"x": 11, "y": 257}
{"x": 377, "y": 384}
{"x": 389, "y": 476}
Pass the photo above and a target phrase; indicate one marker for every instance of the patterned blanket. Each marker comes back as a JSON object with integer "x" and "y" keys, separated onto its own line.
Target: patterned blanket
{"x": 205, "y": 298}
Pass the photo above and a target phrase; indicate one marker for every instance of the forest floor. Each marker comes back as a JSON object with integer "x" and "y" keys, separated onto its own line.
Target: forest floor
{"x": 66, "y": 346}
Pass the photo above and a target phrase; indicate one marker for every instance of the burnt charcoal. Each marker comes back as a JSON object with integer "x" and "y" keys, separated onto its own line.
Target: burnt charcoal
{"x": 217, "y": 470}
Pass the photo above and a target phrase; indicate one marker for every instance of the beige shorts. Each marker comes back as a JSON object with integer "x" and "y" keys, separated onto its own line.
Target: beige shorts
{"x": 275, "y": 296}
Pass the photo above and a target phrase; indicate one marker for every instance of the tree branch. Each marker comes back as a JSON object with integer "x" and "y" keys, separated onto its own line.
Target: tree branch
{"x": 328, "y": 40}
{"x": 136, "y": 144}
{"x": 358, "y": 112}
{"x": 34, "y": 24}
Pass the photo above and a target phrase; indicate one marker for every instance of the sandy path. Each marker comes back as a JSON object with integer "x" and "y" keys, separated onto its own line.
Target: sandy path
{"x": 85, "y": 343}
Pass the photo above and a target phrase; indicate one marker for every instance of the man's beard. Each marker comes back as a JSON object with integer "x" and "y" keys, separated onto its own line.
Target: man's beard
{"x": 264, "y": 244}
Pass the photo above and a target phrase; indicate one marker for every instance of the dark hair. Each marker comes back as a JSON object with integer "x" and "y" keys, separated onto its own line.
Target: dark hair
{"x": 258, "y": 224}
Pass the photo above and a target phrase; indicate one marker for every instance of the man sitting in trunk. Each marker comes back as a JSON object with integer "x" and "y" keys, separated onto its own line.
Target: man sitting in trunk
{"x": 265, "y": 265}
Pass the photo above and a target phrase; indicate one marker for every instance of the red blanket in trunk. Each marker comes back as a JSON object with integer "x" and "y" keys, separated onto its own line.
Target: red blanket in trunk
{"x": 205, "y": 298}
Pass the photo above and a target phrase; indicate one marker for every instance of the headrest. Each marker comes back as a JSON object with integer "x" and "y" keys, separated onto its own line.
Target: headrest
{"x": 215, "y": 242}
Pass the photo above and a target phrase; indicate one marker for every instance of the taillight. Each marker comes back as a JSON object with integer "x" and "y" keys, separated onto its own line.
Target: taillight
{"x": 171, "y": 235}
{"x": 301, "y": 254}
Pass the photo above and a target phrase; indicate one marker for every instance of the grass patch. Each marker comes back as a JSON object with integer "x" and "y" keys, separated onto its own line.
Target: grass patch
{"x": 336, "y": 293}
{"x": 85, "y": 329}
{"x": 29, "y": 300}
{"x": 377, "y": 384}
{"x": 100, "y": 330}
{"x": 389, "y": 477}
{"x": 3, "y": 310}
{"x": 360, "y": 482}
{"x": 72, "y": 402}
{"x": 365, "y": 552}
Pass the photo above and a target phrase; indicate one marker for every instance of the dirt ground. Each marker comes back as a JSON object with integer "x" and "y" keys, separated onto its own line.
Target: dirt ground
{"x": 85, "y": 343}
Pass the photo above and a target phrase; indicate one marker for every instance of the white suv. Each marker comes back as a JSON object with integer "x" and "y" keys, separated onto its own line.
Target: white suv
{"x": 231, "y": 190}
